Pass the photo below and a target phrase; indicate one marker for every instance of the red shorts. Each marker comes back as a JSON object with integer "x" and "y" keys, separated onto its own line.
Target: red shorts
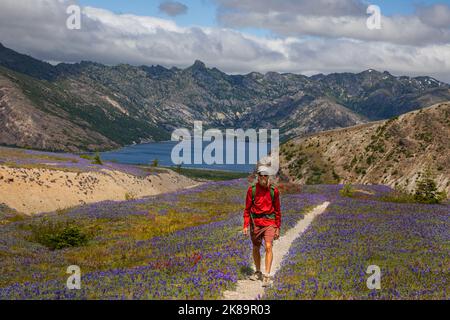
{"x": 258, "y": 233}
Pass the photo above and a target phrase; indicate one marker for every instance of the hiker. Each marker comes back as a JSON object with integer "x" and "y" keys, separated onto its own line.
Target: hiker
{"x": 262, "y": 213}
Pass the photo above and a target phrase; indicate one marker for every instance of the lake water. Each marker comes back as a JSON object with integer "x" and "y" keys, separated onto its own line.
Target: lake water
{"x": 147, "y": 152}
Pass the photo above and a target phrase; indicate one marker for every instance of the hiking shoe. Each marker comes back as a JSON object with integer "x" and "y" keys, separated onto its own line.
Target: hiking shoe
{"x": 256, "y": 276}
{"x": 267, "y": 281}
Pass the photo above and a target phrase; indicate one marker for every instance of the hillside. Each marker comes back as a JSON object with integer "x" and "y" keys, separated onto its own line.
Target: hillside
{"x": 90, "y": 106}
{"x": 33, "y": 182}
{"x": 394, "y": 152}
{"x": 28, "y": 123}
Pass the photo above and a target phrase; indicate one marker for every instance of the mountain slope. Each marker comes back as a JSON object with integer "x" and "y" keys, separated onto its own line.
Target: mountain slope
{"x": 393, "y": 152}
{"x": 380, "y": 95}
{"x": 25, "y": 64}
{"x": 89, "y": 120}
{"x": 301, "y": 114}
{"x": 28, "y": 126}
{"x": 127, "y": 104}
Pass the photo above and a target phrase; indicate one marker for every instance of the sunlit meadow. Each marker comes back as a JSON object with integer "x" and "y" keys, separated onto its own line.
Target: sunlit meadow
{"x": 188, "y": 244}
{"x": 183, "y": 245}
{"x": 409, "y": 242}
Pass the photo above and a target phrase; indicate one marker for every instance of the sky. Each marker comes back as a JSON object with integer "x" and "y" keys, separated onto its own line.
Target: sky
{"x": 237, "y": 36}
{"x": 203, "y": 12}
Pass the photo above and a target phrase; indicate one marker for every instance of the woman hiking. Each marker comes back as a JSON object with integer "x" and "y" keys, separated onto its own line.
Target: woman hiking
{"x": 262, "y": 213}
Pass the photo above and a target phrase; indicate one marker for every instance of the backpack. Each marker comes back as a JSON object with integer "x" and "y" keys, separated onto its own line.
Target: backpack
{"x": 272, "y": 195}
{"x": 272, "y": 192}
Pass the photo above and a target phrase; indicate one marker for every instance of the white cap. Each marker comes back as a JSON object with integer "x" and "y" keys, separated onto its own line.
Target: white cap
{"x": 264, "y": 170}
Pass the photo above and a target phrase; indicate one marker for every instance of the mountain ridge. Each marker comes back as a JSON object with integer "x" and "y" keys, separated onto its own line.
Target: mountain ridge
{"x": 127, "y": 104}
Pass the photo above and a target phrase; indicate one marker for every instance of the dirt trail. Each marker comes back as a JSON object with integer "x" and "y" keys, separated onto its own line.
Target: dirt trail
{"x": 250, "y": 290}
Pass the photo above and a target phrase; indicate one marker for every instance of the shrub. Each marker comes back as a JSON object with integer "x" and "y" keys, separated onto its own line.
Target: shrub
{"x": 346, "y": 191}
{"x": 427, "y": 191}
{"x": 336, "y": 176}
{"x": 97, "y": 159}
{"x": 58, "y": 235}
{"x": 316, "y": 176}
{"x": 155, "y": 162}
{"x": 370, "y": 160}
{"x": 400, "y": 195}
{"x": 289, "y": 156}
{"x": 129, "y": 196}
{"x": 86, "y": 156}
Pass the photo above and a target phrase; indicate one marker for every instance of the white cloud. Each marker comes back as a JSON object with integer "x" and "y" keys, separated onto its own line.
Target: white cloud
{"x": 128, "y": 23}
{"x": 334, "y": 19}
{"x": 437, "y": 15}
{"x": 38, "y": 28}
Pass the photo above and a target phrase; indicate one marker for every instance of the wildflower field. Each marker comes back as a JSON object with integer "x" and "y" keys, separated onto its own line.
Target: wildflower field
{"x": 183, "y": 245}
{"x": 188, "y": 245}
{"x": 410, "y": 243}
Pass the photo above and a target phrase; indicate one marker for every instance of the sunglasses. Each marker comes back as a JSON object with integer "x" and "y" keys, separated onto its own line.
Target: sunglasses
{"x": 263, "y": 175}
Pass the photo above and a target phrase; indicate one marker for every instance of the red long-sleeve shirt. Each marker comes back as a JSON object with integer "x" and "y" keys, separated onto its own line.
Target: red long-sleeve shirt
{"x": 263, "y": 204}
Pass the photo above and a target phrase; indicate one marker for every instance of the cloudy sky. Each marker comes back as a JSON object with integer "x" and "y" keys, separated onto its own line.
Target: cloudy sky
{"x": 237, "y": 36}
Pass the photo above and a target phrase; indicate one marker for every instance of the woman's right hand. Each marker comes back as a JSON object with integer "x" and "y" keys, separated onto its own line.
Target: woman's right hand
{"x": 245, "y": 231}
{"x": 277, "y": 233}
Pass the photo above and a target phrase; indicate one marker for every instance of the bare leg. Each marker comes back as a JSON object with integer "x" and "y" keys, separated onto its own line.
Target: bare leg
{"x": 257, "y": 257}
{"x": 269, "y": 256}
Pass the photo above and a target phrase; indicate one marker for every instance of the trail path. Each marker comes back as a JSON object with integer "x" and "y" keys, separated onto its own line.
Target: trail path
{"x": 250, "y": 290}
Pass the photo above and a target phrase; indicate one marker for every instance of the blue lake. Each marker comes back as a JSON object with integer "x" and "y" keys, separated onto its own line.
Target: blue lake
{"x": 146, "y": 153}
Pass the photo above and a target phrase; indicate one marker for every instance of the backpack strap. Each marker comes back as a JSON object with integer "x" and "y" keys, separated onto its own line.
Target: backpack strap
{"x": 272, "y": 193}
{"x": 253, "y": 192}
